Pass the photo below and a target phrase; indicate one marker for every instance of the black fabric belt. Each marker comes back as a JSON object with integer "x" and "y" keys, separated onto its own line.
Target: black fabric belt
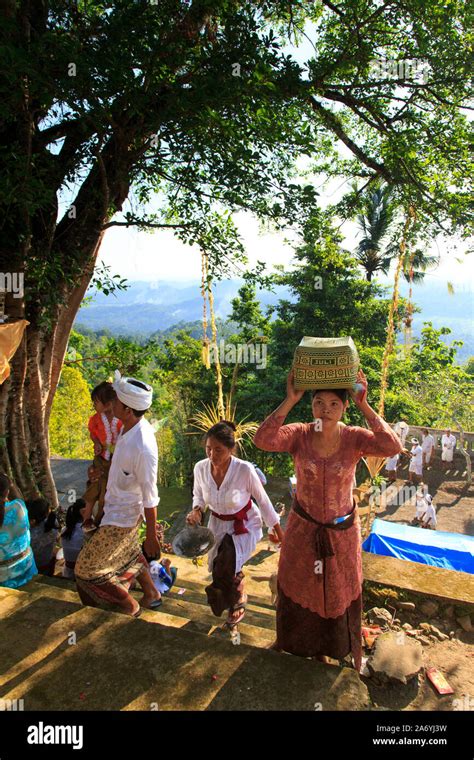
{"x": 322, "y": 538}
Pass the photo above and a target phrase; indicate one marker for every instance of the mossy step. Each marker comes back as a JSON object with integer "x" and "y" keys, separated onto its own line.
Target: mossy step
{"x": 118, "y": 663}
{"x": 198, "y": 597}
{"x": 194, "y": 593}
{"x": 15, "y": 599}
{"x": 253, "y": 599}
{"x": 199, "y": 586}
{"x": 179, "y": 605}
{"x": 173, "y": 613}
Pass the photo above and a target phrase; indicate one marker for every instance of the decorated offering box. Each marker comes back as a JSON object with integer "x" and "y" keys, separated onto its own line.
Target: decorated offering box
{"x": 325, "y": 363}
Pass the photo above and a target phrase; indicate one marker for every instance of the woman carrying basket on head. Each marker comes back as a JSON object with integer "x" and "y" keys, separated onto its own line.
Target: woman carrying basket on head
{"x": 320, "y": 569}
{"x": 228, "y": 484}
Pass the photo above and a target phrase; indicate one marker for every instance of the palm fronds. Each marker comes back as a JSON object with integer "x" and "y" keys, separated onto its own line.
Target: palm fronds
{"x": 374, "y": 223}
{"x": 416, "y": 263}
{"x": 209, "y": 416}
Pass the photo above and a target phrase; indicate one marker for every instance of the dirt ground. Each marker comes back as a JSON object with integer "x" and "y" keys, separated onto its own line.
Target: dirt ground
{"x": 452, "y": 497}
{"x": 455, "y": 660}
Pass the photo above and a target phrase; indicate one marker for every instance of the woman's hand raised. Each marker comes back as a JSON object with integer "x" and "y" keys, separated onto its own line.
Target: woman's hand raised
{"x": 359, "y": 393}
{"x": 292, "y": 394}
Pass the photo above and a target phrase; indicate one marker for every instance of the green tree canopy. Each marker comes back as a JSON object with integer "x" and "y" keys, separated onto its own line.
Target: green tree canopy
{"x": 198, "y": 106}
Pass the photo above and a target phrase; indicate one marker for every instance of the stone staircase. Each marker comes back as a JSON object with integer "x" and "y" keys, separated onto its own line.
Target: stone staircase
{"x": 57, "y": 654}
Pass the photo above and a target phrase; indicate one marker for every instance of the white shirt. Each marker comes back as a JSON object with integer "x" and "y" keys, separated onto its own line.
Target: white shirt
{"x": 448, "y": 441}
{"x": 401, "y": 429}
{"x": 428, "y": 443}
{"x": 391, "y": 462}
{"x": 430, "y": 515}
{"x": 421, "y": 506}
{"x": 133, "y": 475}
{"x": 71, "y": 548}
{"x": 240, "y": 484}
{"x": 417, "y": 459}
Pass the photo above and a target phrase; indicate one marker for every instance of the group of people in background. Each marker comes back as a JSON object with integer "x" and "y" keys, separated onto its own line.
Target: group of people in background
{"x": 420, "y": 456}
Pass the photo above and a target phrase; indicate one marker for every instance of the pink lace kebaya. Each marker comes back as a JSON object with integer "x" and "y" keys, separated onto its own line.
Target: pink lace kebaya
{"x": 324, "y": 491}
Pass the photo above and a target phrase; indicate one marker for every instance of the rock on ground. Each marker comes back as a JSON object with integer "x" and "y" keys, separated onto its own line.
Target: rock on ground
{"x": 395, "y": 658}
{"x": 465, "y": 622}
{"x": 429, "y": 608}
{"x": 379, "y": 615}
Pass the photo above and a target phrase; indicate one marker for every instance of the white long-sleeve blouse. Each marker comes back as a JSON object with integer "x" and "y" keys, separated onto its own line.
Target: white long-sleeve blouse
{"x": 241, "y": 483}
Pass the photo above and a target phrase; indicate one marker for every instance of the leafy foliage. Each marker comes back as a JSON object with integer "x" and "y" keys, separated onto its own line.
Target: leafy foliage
{"x": 69, "y": 436}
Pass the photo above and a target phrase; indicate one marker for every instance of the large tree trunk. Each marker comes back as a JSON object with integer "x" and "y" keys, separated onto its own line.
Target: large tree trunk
{"x": 27, "y": 395}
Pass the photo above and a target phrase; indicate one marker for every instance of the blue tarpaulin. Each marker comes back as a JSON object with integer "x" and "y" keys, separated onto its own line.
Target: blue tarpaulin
{"x": 451, "y": 551}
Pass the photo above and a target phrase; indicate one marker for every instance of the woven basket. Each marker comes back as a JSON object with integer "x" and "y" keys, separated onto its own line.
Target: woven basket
{"x": 325, "y": 363}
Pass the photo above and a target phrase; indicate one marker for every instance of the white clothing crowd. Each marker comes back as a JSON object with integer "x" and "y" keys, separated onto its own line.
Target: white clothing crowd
{"x": 420, "y": 456}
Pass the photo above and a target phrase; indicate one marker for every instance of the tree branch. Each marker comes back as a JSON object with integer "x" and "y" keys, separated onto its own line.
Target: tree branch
{"x": 56, "y": 131}
{"x": 333, "y": 123}
{"x": 142, "y": 223}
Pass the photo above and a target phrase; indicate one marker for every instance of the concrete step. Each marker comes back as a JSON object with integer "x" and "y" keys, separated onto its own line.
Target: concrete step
{"x": 58, "y": 655}
{"x": 176, "y": 612}
{"x": 194, "y": 591}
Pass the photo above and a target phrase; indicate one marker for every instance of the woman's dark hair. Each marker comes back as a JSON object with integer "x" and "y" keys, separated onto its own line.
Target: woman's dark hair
{"x": 73, "y": 516}
{"x": 104, "y": 392}
{"x": 343, "y": 393}
{"x": 38, "y": 511}
{"x": 4, "y": 488}
{"x": 224, "y": 432}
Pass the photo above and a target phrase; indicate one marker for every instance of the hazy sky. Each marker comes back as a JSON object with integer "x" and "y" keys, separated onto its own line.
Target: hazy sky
{"x": 159, "y": 256}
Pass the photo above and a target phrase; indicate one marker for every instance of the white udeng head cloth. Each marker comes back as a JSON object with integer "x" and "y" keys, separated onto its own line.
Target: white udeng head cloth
{"x": 130, "y": 395}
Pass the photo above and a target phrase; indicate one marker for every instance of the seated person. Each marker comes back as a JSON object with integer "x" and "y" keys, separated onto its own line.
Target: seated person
{"x": 421, "y": 504}
{"x": 17, "y": 563}
{"x": 162, "y": 574}
{"x": 44, "y": 534}
{"x": 72, "y": 537}
{"x": 429, "y": 520}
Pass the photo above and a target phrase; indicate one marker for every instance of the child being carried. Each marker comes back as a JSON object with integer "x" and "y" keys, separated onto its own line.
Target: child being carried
{"x": 104, "y": 429}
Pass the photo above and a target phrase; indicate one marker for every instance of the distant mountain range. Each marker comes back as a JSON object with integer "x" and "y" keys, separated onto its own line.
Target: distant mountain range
{"x": 154, "y": 307}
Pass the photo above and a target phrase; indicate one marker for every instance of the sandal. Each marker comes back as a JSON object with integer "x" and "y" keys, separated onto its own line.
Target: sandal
{"x": 232, "y": 622}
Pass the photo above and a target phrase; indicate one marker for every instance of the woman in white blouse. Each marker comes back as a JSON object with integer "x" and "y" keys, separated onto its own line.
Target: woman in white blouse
{"x": 227, "y": 485}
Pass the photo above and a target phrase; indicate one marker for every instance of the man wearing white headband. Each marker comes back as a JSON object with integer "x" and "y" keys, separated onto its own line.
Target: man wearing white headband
{"x": 132, "y": 393}
{"x": 112, "y": 558}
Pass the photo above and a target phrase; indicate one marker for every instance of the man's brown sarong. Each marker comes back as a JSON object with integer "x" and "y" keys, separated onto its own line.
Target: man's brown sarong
{"x": 107, "y": 564}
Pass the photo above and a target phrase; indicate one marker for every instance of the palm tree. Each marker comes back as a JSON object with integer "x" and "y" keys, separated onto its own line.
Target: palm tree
{"x": 416, "y": 264}
{"x": 374, "y": 251}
